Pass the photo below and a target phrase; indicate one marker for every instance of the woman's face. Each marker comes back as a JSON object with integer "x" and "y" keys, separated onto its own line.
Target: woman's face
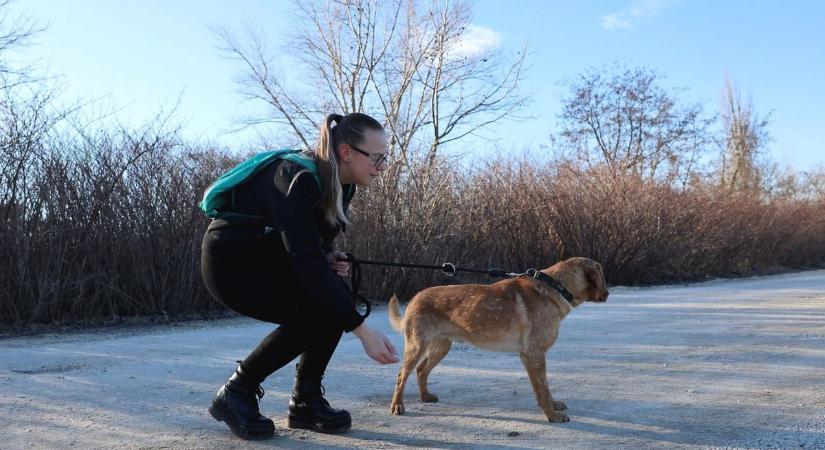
{"x": 361, "y": 163}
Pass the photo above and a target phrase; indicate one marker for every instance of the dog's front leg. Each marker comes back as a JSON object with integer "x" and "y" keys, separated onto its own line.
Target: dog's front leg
{"x": 412, "y": 355}
{"x": 537, "y": 371}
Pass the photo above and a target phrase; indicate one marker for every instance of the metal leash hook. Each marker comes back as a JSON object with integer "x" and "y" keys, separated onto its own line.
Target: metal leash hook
{"x": 448, "y": 269}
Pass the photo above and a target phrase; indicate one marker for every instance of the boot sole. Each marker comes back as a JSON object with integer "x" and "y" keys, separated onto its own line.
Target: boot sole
{"x": 327, "y": 428}
{"x": 219, "y": 413}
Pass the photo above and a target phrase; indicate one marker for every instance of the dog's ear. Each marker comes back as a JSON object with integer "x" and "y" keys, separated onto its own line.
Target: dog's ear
{"x": 592, "y": 277}
{"x": 594, "y": 273}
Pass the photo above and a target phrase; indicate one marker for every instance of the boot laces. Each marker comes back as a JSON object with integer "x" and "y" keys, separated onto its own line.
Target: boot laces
{"x": 321, "y": 397}
{"x": 319, "y": 394}
{"x": 259, "y": 390}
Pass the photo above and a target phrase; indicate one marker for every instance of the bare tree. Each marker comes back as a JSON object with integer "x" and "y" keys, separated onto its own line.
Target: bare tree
{"x": 403, "y": 59}
{"x": 16, "y": 32}
{"x": 813, "y": 186}
{"x": 745, "y": 136}
{"x": 24, "y": 114}
{"x": 622, "y": 118}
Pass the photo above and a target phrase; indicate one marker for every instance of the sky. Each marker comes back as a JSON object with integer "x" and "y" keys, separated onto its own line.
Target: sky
{"x": 141, "y": 57}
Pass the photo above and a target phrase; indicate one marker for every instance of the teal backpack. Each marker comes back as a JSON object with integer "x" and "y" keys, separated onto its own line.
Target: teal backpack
{"x": 219, "y": 193}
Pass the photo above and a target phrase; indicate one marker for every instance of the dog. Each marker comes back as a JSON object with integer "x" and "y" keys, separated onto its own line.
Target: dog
{"x": 514, "y": 315}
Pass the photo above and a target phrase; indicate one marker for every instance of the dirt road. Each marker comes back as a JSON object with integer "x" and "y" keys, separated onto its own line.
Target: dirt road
{"x": 724, "y": 364}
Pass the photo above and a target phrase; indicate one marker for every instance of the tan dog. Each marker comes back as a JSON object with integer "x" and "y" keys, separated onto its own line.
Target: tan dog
{"x": 514, "y": 315}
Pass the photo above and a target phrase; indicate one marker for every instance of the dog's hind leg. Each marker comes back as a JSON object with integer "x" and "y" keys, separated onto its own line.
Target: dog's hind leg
{"x": 412, "y": 355}
{"x": 537, "y": 370}
{"x": 435, "y": 353}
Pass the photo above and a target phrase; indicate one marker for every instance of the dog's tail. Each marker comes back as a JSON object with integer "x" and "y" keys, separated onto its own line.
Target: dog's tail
{"x": 396, "y": 319}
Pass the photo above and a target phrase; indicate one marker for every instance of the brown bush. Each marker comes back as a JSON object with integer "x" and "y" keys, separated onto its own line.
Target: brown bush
{"x": 105, "y": 228}
{"x": 108, "y": 227}
{"x": 515, "y": 215}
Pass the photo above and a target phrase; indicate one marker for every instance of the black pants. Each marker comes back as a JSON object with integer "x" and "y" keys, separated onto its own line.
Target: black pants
{"x": 250, "y": 273}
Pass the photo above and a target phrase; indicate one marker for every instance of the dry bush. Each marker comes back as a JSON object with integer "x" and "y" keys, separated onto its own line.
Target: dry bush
{"x": 107, "y": 227}
{"x": 513, "y": 214}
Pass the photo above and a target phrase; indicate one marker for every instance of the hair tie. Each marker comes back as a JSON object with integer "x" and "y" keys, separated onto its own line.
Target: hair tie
{"x": 334, "y": 119}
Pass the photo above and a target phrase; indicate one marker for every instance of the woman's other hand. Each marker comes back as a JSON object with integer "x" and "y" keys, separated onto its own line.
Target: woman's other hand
{"x": 338, "y": 263}
{"x": 376, "y": 345}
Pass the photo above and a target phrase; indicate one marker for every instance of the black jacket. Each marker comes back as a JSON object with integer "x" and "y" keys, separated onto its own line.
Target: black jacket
{"x": 289, "y": 206}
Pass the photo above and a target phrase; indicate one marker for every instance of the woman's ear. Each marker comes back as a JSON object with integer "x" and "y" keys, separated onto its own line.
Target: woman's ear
{"x": 344, "y": 152}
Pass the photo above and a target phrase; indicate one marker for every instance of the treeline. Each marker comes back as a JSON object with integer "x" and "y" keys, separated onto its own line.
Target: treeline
{"x": 107, "y": 227}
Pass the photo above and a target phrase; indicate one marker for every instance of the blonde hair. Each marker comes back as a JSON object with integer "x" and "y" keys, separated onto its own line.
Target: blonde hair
{"x": 335, "y": 130}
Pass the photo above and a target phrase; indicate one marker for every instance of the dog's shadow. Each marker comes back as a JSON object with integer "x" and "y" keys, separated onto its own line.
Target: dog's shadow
{"x": 374, "y": 436}
{"x": 695, "y": 425}
{"x": 464, "y": 415}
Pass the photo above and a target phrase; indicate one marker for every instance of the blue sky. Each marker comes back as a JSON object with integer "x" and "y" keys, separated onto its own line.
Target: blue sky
{"x": 142, "y": 56}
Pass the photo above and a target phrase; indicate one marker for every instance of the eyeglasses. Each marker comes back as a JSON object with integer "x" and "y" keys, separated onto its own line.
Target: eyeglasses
{"x": 377, "y": 158}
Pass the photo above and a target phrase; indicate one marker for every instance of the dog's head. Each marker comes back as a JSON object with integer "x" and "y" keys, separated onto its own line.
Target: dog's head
{"x": 584, "y": 278}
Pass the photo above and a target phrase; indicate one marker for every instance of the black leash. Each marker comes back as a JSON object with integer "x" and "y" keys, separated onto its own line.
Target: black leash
{"x": 450, "y": 270}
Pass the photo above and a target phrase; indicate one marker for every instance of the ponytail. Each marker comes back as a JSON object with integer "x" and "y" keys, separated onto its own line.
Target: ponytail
{"x": 327, "y": 160}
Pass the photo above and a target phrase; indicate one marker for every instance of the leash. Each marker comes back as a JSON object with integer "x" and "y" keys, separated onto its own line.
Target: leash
{"x": 450, "y": 270}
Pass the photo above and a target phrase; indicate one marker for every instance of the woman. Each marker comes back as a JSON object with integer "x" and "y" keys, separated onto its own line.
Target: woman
{"x": 269, "y": 256}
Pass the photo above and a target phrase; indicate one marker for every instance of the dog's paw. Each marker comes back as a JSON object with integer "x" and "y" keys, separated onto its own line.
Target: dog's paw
{"x": 429, "y": 398}
{"x": 397, "y": 409}
{"x": 559, "y": 406}
{"x": 558, "y": 417}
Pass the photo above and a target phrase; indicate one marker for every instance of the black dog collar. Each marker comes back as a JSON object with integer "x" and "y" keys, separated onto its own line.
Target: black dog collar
{"x": 552, "y": 282}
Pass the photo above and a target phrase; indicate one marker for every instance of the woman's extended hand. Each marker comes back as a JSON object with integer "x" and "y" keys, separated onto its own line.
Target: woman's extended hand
{"x": 337, "y": 260}
{"x": 377, "y": 346}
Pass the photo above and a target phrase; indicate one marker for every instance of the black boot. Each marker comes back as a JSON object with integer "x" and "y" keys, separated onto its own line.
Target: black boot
{"x": 236, "y": 403}
{"x": 309, "y": 409}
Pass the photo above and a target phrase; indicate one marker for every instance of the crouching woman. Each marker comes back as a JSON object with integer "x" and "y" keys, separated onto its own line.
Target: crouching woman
{"x": 269, "y": 255}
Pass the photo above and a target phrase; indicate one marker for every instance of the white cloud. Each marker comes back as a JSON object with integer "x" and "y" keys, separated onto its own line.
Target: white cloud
{"x": 615, "y": 21}
{"x": 475, "y": 40}
{"x": 638, "y": 9}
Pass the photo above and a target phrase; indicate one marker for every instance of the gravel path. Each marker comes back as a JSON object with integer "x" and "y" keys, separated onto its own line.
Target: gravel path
{"x": 723, "y": 364}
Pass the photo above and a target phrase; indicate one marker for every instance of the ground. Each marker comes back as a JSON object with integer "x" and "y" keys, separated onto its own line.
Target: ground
{"x": 722, "y": 364}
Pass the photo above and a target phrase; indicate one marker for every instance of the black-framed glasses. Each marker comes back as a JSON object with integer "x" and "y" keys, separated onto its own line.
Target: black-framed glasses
{"x": 376, "y": 158}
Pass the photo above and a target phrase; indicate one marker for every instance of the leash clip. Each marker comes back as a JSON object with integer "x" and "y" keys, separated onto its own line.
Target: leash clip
{"x": 532, "y": 273}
